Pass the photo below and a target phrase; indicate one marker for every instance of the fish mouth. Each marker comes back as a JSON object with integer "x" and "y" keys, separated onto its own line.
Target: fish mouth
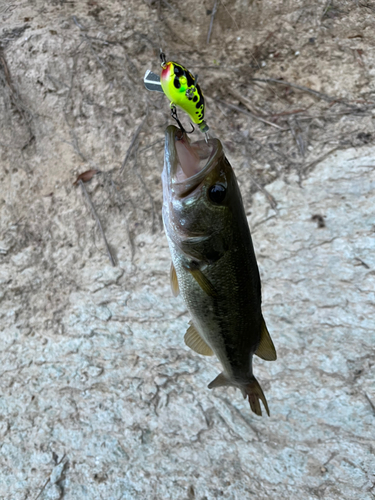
{"x": 188, "y": 163}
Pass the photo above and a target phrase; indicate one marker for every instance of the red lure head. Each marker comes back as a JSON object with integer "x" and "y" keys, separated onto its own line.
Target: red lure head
{"x": 166, "y": 71}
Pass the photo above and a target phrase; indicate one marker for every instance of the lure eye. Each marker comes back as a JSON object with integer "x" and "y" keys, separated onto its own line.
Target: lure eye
{"x": 217, "y": 193}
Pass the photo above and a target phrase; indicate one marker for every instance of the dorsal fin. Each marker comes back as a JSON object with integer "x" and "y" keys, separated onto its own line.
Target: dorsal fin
{"x": 195, "y": 342}
{"x": 266, "y": 350}
{"x": 174, "y": 282}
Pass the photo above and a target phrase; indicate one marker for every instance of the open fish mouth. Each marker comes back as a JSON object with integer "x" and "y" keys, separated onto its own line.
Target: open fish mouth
{"x": 188, "y": 163}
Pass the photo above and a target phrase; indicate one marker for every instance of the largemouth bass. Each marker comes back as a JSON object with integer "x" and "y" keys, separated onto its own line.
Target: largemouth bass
{"x": 213, "y": 261}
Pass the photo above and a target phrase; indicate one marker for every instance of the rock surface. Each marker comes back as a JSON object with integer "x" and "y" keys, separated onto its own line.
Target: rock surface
{"x": 99, "y": 396}
{"x": 119, "y": 394}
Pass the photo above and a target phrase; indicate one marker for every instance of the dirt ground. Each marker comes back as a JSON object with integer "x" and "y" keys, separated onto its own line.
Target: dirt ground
{"x": 99, "y": 396}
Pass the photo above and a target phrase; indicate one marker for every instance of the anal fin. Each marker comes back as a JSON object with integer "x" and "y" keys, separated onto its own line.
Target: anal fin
{"x": 220, "y": 381}
{"x": 196, "y": 343}
{"x": 174, "y": 281}
{"x": 266, "y": 350}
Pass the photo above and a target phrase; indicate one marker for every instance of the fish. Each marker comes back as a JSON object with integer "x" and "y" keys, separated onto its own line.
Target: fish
{"x": 214, "y": 267}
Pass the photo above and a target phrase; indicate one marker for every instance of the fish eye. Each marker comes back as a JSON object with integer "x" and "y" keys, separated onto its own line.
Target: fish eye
{"x": 217, "y": 193}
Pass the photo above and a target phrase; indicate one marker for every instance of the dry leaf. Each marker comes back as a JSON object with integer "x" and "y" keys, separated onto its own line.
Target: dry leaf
{"x": 86, "y": 176}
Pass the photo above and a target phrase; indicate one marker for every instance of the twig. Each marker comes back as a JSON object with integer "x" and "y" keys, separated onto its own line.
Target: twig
{"x": 148, "y": 192}
{"x": 10, "y": 35}
{"x": 287, "y": 113}
{"x": 173, "y": 9}
{"x": 272, "y": 148}
{"x": 327, "y": 6}
{"x": 306, "y": 168}
{"x": 89, "y": 102}
{"x": 159, "y": 141}
{"x": 15, "y": 97}
{"x": 132, "y": 144}
{"x": 56, "y": 81}
{"x": 77, "y": 23}
{"x": 159, "y": 11}
{"x": 74, "y": 67}
{"x": 48, "y": 480}
{"x": 297, "y": 134}
{"x": 371, "y": 403}
{"x": 88, "y": 199}
{"x": 299, "y": 87}
{"x": 245, "y": 102}
{"x": 268, "y": 195}
{"x": 363, "y": 263}
{"x": 212, "y": 21}
{"x": 43, "y": 488}
{"x": 75, "y": 144}
{"x": 104, "y": 66}
{"x": 247, "y": 113}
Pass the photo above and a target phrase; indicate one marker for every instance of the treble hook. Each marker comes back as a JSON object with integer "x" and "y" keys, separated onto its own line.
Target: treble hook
{"x": 175, "y": 117}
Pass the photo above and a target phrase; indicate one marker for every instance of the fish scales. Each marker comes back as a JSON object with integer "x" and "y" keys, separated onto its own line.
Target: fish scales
{"x": 214, "y": 260}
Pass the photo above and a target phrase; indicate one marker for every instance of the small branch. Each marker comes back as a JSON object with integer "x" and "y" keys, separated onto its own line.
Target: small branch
{"x": 268, "y": 195}
{"x": 287, "y": 113}
{"x": 159, "y": 141}
{"x": 78, "y": 24}
{"x": 327, "y": 6}
{"x": 371, "y": 403}
{"x": 48, "y": 480}
{"x": 214, "y": 10}
{"x": 15, "y": 97}
{"x": 88, "y": 199}
{"x": 132, "y": 144}
{"x": 86, "y": 38}
{"x": 299, "y": 87}
{"x": 173, "y": 9}
{"x": 307, "y": 167}
{"x": 247, "y": 113}
{"x": 148, "y": 192}
{"x": 243, "y": 100}
{"x": 297, "y": 135}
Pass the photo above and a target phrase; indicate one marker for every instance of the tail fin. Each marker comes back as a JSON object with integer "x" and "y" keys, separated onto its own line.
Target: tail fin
{"x": 254, "y": 392}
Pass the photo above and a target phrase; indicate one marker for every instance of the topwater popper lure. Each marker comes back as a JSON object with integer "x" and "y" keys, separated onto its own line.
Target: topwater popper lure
{"x": 181, "y": 88}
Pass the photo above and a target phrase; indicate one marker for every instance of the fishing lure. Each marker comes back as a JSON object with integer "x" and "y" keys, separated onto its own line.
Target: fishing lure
{"x": 181, "y": 88}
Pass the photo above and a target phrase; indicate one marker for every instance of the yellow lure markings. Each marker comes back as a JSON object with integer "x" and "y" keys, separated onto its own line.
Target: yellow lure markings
{"x": 180, "y": 86}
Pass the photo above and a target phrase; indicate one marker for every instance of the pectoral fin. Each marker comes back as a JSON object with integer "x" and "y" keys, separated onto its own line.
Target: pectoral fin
{"x": 220, "y": 381}
{"x": 174, "y": 282}
{"x": 203, "y": 282}
{"x": 195, "y": 342}
{"x": 266, "y": 350}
